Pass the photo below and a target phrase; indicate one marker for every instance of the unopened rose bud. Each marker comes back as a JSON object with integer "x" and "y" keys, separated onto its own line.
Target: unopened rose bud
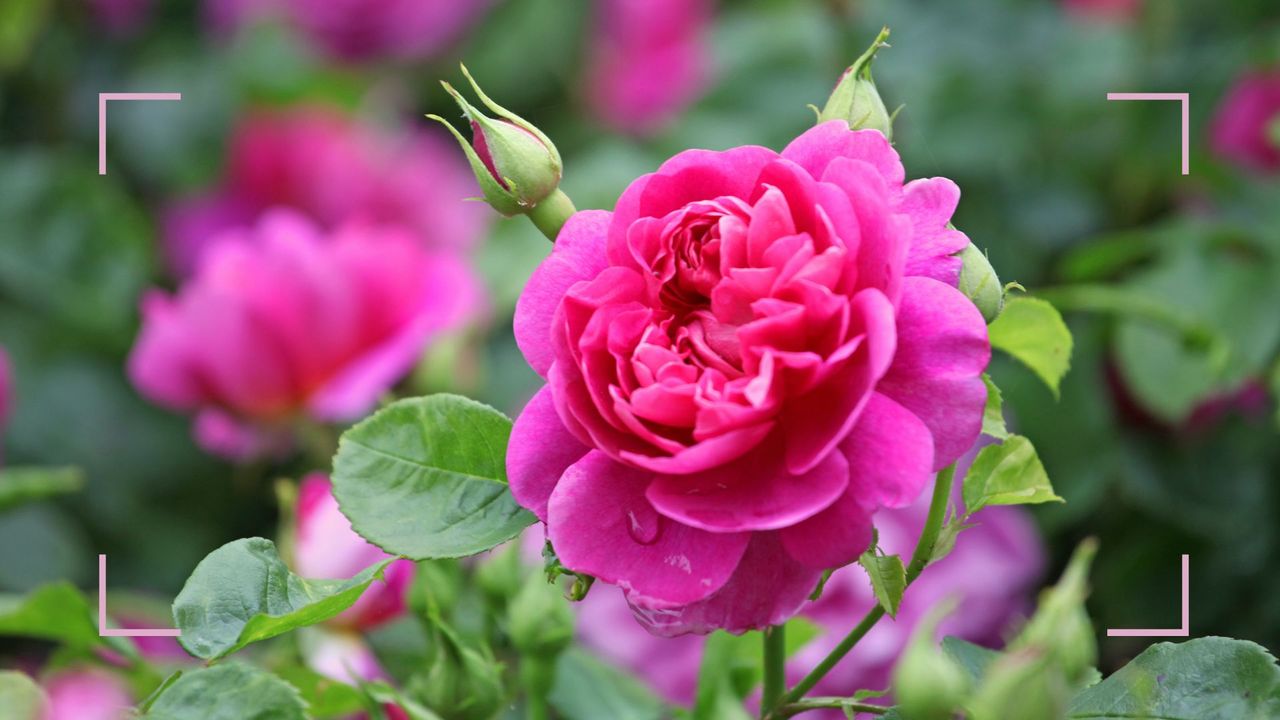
{"x": 1060, "y": 630}
{"x": 928, "y": 684}
{"x": 516, "y": 165}
{"x": 979, "y": 282}
{"x": 539, "y": 619}
{"x": 1020, "y": 685}
{"x": 462, "y": 683}
{"x": 855, "y": 99}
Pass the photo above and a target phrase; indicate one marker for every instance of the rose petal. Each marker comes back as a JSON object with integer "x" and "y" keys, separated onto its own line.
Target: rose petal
{"x": 831, "y": 140}
{"x": 890, "y": 454}
{"x": 936, "y": 374}
{"x": 539, "y": 451}
{"x": 767, "y": 588}
{"x": 930, "y": 203}
{"x": 578, "y": 255}
{"x": 600, "y": 523}
{"x": 833, "y": 538}
{"x": 753, "y": 493}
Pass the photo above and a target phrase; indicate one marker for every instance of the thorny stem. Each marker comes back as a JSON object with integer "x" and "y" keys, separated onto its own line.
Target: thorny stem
{"x": 919, "y": 559}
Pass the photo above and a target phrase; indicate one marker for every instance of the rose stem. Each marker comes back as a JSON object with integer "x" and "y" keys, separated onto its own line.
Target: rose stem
{"x": 775, "y": 661}
{"x": 919, "y": 559}
{"x": 838, "y": 703}
{"x": 550, "y": 214}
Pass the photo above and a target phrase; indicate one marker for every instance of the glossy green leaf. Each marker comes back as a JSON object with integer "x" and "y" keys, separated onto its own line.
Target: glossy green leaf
{"x": 1032, "y": 331}
{"x": 993, "y": 413}
{"x": 973, "y": 658}
{"x": 20, "y": 485}
{"x": 21, "y": 697}
{"x": 888, "y": 579}
{"x": 57, "y": 612}
{"x": 587, "y": 688}
{"x": 243, "y": 593}
{"x": 231, "y": 691}
{"x": 1210, "y": 678}
{"x": 1007, "y": 474}
{"x": 426, "y": 478}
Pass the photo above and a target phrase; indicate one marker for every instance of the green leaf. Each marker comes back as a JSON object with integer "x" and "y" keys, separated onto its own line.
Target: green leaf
{"x": 325, "y": 697}
{"x": 426, "y": 478}
{"x": 973, "y": 658}
{"x": 231, "y": 691}
{"x": 1032, "y": 331}
{"x": 587, "y": 688}
{"x": 993, "y": 413}
{"x": 888, "y": 579}
{"x": 57, "y": 612}
{"x": 20, "y": 485}
{"x": 20, "y": 697}
{"x": 948, "y": 535}
{"x": 1007, "y": 474}
{"x": 1209, "y": 678}
{"x": 242, "y": 593}
{"x": 382, "y": 694}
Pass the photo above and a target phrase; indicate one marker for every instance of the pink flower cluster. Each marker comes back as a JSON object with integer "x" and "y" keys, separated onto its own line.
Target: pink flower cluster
{"x": 992, "y": 572}
{"x": 283, "y": 320}
{"x": 333, "y": 170}
{"x": 1246, "y": 128}
{"x": 648, "y": 60}
{"x": 746, "y": 359}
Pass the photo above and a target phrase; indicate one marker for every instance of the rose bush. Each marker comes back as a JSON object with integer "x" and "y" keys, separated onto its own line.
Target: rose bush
{"x": 745, "y": 360}
{"x": 282, "y": 321}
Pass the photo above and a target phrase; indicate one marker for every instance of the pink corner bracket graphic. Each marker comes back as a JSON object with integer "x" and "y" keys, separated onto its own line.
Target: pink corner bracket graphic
{"x": 1185, "y": 99}
{"x": 103, "y": 630}
{"x": 102, "y": 118}
{"x": 1185, "y": 630}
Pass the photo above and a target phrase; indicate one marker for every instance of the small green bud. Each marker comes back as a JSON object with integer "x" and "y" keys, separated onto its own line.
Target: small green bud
{"x": 1020, "y": 685}
{"x": 979, "y": 282}
{"x": 1060, "y": 629}
{"x": 855, "y": 99}
{"x": 500, "y": 574}
{"x": 516, "y": 165}
{"x": 539, "y": 619}
{"x": 462, "y": 683}
{"x": 928, "y": 684}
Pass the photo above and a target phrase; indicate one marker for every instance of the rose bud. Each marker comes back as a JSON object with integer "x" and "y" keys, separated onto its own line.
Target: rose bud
{"x": 855, "y": 99}
{"x": 539, "y": 620}
{"x": 979, "y": 282}
{"x": 928, "y": 684}
{"x": 518, "y": 167}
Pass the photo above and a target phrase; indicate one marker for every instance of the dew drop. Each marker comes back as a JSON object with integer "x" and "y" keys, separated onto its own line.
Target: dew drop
{"x": 643, "y": 524}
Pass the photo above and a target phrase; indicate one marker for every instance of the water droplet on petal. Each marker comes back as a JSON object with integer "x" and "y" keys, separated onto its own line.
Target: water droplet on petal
{"x": 643, "y": 523}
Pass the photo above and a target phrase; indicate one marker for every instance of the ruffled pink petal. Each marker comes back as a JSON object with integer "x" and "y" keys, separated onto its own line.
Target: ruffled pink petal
{"x": 578, "y": 255}
{"x": 828, "y": 141}
{"x": 833, "y": 538}
{"x": 600, "y": 523}
{"x": 816, "y": 422}
{"x": 890, "y": 454}
{"x": 689, "y": 176}
{"x": 936, "y": 374}
{"x": 754, "y": 493}
{"x": 767, "y": 588}
{"x": 930, "y": 203}
{"x": 539, "y": 451}
{"x": 885, "y": 237}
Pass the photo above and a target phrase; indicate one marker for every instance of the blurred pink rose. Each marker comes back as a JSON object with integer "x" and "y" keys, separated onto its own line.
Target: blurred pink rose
{"x": 992, "y": 572}
{"x": 353, "y": 30}
{"x": 746, "y": 359}
{"x": 648, "y": 61}
{"x": 326, "y": 166}
{"x": 325, "y": 546}
{"x": 281, "y": 321}
{"x": 1105, "y": 10}
{"x": 1246, "y": 128}
{"x": 87, "y": 695}
{"x": 120, "y": 17}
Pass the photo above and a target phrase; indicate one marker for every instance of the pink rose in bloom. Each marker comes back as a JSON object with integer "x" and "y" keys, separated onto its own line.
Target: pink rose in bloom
{"x": 325, "y": 546}
{"x": 354, "y": 30}
{"x": 746, "y": 359}
{"x": 326, "y": 166}
{"x": 281, "y": 321}
{"x": 648, "y": 61}
{"x": 87, "y": 695}
{"x": 992, "y": 571}
{"x": 1246, "y": 128}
